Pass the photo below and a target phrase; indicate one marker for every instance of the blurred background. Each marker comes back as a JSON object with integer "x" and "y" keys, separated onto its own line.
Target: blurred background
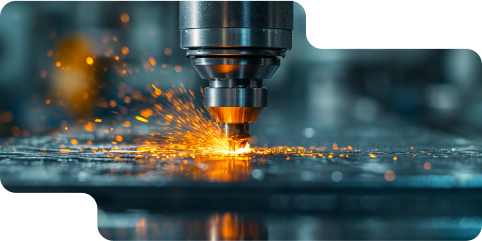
{"x": 75, "y": 65}
{"x": 63, "y": 63}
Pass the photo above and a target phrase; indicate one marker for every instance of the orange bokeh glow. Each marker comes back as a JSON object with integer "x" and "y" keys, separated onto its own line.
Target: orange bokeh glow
{"x": 390, "y": 175}
{"x": 124, "y": 17}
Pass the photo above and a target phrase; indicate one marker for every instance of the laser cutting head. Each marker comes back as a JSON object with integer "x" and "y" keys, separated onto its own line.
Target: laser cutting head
{"x": 235, "y": 45}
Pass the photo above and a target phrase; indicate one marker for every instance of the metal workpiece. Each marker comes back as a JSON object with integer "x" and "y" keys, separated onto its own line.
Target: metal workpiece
{"x": 350, "y": 187}
{"x": 239, "y": 14}
{"x": 235, "y": 68}
{"x": 236, "y": 37}
{"x": 235, "y": 97}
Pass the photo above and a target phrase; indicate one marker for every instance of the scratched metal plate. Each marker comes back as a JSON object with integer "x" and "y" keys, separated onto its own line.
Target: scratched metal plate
{"x": 455, "y": 162}
{"x": 348, "y": 192}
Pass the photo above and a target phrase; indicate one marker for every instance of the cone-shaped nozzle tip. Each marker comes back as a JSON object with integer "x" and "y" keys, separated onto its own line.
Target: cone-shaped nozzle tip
{"x": 237, "y": 134}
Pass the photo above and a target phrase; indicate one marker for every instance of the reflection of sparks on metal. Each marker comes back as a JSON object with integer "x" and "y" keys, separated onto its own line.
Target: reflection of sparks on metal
{"x": 230, "y": 226}
{"x": 218, "y": 168}
{"x": 233, "y": 226}
{"x": 216, "y": 226}
{"x": 141, "y": 228}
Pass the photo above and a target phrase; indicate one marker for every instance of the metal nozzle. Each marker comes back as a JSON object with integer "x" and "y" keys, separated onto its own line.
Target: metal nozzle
{"x": 237, "y": 134}
{"x": 236, "y": 129}
{"x": 235, "y": 104}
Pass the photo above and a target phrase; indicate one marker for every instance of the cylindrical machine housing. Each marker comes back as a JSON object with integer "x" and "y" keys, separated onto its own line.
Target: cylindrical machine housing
{"x": 207, "y": 24}
{"x": 236, "y": 40}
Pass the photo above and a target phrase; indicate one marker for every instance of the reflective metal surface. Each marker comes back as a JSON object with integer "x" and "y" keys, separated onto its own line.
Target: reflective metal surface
{"x": 235, "y": 114}
{"x": 236, "y": 83}
{"x": 349, "y": 183}
{"x": 362, "y": 155}
{"x": 236, "y": 37}
{"x": 199, "y": 226}
{"x": 235, "y": 97}
{"x": 139, "y": 224}
{"x": 235, "y": 68}
{"x": 241, "y": 14}
{"x": 236, "y": 52}
{"x": 236, "y": 129}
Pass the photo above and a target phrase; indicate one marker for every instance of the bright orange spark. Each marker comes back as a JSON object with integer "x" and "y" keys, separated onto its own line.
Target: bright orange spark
{"x": 141, "y": 119}
{"x": 152, "y": 61}
{"x": 89, "y": 60}
{"x": 89, "y": 126}
{"x": 146, "y": 113}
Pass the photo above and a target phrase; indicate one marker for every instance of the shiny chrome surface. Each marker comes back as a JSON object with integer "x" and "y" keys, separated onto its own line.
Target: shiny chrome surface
{"x": 235, "y": 68}
{"x": 243, "y": 52}
{"x": 236, "y": 14}
{"x": 236, "y": 114}
{"x": 236, "y": 37}
{"x": 235, "y": 97}
{"x": 236, "y": 83}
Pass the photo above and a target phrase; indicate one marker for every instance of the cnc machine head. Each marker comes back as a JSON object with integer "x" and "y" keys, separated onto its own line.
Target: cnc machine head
{"x": 235, "y": 45}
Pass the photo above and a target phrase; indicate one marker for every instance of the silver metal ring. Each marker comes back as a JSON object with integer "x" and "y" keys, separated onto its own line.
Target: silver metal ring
{"x": 235, "y": 38}
{"x": 236, "y": 83}
{"x": 235, "y": 97}
{"x": 235, "y": 68}
{"x": 261, "y": 53}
